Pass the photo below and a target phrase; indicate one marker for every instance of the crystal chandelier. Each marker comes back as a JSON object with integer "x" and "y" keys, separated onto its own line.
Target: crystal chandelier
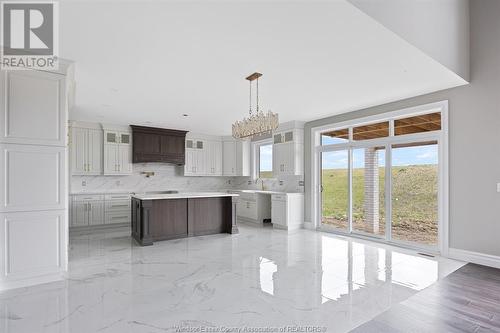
{"x": 258, "y": 122}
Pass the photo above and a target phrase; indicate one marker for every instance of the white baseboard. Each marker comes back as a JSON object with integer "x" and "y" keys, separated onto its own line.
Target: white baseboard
{"x": 475, "y": 257}
{"x": 308, "y": 225}
{"x": 13, "y": 284}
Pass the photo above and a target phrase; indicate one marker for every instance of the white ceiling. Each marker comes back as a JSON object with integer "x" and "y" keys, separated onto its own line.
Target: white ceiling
{"x": 149, "y": 62}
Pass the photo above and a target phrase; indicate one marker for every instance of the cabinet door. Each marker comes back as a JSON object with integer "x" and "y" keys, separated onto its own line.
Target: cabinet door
{"x": 240, "y": 159}
{"x": 125, "y": 159}
{"x": 111, "y": 137}
{"x": 209, "y": 160}
{"x": 94, "y": 151}
{"x": 218, "y": 158}
{"x": 78, "y": 150}
{"x": 288, "y": 158}
{"x": 201, "y": 167}
{"x": 125, "y": 138}
{"x": 277, "y": 160}
{"x": 96, "y": 212}
{"x": 278, "y": 212}
{"x": 229, "y": 158}
{"x": 79, "y": 217}
{"x": 189, "y": 162}
{"x": 111, "y": 160}
{"x": 33, "y": 108}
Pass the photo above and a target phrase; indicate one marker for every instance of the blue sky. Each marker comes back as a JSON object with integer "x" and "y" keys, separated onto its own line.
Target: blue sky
{"x": 266, "y": 158}
{"x": 421, "y": 155}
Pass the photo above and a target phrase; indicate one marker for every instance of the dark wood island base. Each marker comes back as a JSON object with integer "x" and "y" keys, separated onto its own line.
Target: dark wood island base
{"x": 171, "y": 217}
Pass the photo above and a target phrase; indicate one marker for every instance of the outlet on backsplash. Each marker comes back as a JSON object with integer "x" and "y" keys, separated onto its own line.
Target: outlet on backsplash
{"x": 118, "y": 183}
{"x": 281, "y": 183}
{"x": 84, "y": 183}
{"x": 301, "y": 183}
{"x": 250, "y": 182}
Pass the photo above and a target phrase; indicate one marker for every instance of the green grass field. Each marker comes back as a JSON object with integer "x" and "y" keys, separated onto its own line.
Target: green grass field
{"x": 414, "y": 201}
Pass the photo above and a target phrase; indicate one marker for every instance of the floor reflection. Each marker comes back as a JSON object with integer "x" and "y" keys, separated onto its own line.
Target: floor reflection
{"x": 261, "y": 277}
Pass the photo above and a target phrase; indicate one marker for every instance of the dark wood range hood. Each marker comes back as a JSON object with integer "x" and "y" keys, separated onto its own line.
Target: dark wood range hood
{"x": 151, "y": 144}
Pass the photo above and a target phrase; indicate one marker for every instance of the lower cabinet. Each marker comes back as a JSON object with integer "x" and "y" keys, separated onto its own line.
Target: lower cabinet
{"x": 87, "y": 210}
{"x": 287, "y": 210}
{"x": 253, "y": 207}
{"x": 99, "y": 209}
{"x": 34, "y": 245}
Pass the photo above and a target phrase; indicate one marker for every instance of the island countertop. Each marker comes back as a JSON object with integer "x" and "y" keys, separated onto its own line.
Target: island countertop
{"x": 184, "y": 195}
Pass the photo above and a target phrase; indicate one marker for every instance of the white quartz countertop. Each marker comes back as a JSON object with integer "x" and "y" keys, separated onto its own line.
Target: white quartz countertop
{"x": 266, "y": 192}
{"x": 183, "y": 195}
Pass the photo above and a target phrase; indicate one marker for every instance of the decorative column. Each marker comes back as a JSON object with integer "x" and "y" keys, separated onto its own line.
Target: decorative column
{"x": 371, "y": 204}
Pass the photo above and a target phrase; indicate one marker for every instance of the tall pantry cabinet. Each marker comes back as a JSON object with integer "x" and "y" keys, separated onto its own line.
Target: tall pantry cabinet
{"x": 33, "y": 176}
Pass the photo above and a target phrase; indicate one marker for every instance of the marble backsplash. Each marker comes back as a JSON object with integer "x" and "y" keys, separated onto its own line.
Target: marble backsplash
{"x": 284, "y": 184}
{"x": 171, "y": 177}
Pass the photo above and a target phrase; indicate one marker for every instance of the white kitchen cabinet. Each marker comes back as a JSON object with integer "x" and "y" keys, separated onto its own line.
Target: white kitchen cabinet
{"x": 287, "y": 210}
{"x": 33, "y": 108}
{"x": 195, "y": 161}
{"x": 97, "y": 209}
{"x": 111, "y": 155}
{"x": 253, "y": 207}
{"x": 87, "y": 210}
{"x": 117, "y": 152}
{"x": 117, "y": 159}
{"x": 229, "y": 158}
{"x": 236, "y": 157}
{"x": 79, "y": 217}
{"x": 86, "y": 151}
{"x": 117, "y": 208}
{"x": 33, "y": 177}
{"x": 213, "y": 157}
{"x": 288, "y": 153}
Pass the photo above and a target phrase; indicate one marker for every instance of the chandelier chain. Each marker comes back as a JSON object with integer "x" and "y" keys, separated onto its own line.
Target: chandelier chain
{"x": 257, "y": 82}
{"x": 250, "y": 99}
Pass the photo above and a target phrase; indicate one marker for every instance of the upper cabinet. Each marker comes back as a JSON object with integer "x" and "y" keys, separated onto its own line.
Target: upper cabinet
{"x": 86, "y": 149}
{"x": 288, "y": 150}
{"x": 158, "y": 145}
{"x": 33, "y": 108}
{"x": 196, "y": 158}
{"x": 117, "y": 150}
{"x": 215, "y": 156}
{"x": 235, "y": 157}
{"x": 203, "y": 156}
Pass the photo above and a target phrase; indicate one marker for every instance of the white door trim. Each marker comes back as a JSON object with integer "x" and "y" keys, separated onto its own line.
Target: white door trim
{"x": 441, "y": 136}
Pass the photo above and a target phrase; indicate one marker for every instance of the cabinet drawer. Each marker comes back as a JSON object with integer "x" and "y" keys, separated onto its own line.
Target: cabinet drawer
{"x": 278, "y": 197}
{"x": 117, "y": 205}
{"x": 82, "y": 197}
{"x": 124, "y": 196}
{"x": 117, "y": 217}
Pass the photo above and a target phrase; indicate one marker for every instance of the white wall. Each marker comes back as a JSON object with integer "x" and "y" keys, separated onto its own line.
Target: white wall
{"x": 438, "y": 28}
{"x": 474, "y": 138}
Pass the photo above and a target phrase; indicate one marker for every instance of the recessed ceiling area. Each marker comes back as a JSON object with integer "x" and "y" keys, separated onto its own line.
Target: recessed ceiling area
{"x": 152, "y": 62}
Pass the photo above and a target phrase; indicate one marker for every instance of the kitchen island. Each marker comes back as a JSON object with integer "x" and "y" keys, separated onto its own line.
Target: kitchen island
{"x": 158, "y": 217}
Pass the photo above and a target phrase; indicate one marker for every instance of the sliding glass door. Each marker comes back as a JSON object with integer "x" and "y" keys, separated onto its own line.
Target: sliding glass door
{"x": 382, "y": 180}
{"x": 414, "y": 174}
{"x": 335, "y": 190}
